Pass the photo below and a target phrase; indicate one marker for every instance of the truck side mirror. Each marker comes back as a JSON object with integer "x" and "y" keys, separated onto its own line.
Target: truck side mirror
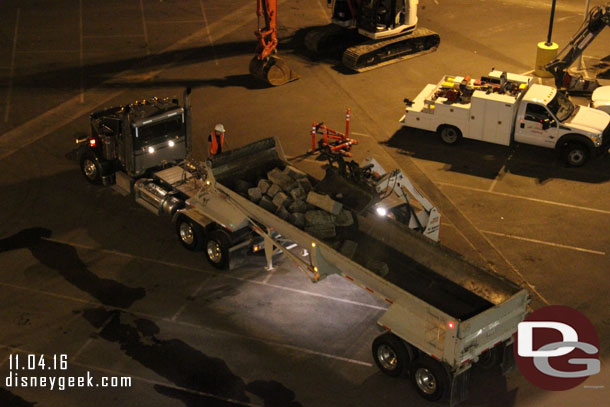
{"x": 81, "y": 139}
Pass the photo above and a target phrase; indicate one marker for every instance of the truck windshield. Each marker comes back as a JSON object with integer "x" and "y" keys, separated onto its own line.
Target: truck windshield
{"x": 561, "y": 106}
{"x": 157, "y": 132}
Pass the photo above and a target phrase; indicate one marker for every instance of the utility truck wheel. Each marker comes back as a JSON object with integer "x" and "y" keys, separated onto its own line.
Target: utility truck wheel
{"x": 575, "y": 154}
{"x": 216, "y": 249}
{"x": 91, "y": 168}
{"x": 429, "y": 377}
{"x": 391, "y": 355}
{"x": 488, "y": 360}
{"x": 189, "y": 233}
{"x": 449, "y": 134}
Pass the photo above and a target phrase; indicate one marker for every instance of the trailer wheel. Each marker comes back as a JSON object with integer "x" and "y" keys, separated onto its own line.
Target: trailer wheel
{"x": 391, "y": 354}
{"x": 575, "y": 154}
{"x": 91, "y": 168}
{"x": 216, "y": 249}
{"x": 429, "y": 377}
{"x": 489, "y": 359}
{"x": 189, "y": 234}
{"x": 449, "y": 134}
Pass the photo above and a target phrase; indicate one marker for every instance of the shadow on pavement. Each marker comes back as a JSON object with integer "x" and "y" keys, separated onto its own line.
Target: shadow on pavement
{"x": 9, "y": 399}
{"x": 183, "y": 365}
{"x": 64, "y": 259}
{"x": 486, "y": 160}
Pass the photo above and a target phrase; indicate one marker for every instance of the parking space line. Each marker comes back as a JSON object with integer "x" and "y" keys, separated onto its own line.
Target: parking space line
{"x": 527, "y": 198}
{"x": 144, "y": 27}
{"x": 207, "y": 28}
{"x": 80, "y": 56}
{"x": 190, "y": 298}
{"x": 9, "y": 91}
{"x": 212, "y": 273}
{"x": 114, "y": 372}
{"x": 189, "y": 324}
{"x": 562, "y": 246}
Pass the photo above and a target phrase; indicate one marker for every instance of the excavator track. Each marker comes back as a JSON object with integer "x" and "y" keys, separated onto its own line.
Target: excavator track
{"x": 375, "y": 54}
{"x": 327, "y": 39}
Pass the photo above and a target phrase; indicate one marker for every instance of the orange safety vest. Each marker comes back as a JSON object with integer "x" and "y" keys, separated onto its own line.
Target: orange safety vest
{"x": 214, "y": 143}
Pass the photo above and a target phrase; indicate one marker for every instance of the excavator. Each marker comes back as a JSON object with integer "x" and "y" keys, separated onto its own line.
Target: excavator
{"x": 597, "y": 19}
{"x": 370, "y": 33}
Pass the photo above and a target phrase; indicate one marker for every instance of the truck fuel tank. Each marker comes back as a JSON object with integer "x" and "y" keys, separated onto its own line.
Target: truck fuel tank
{"x": 156, "y": 198}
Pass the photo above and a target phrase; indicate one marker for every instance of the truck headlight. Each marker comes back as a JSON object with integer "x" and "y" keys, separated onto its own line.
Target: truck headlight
{"x": 171, "y": 143}
{"x": 381, "y": 211}
{"x": 151, "y": 150}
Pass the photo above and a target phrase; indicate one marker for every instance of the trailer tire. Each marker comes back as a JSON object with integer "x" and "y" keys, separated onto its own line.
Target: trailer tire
{"x": 91, "y": 168}
{"x": 216, "y": 249}
{"x": 189, "y": 233}
{"x": 449, "y": 134}
{"x": 575, "y": 154}
{"x": 489, "y": 359}
{"x": 430, "y": 378}
{"x": 391, "y": 355}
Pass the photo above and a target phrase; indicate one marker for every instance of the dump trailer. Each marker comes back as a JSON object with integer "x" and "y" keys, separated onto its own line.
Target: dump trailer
{"x": 444, "y": 314}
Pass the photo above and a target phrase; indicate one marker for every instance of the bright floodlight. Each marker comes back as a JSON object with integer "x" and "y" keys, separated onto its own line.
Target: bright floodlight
{"x": 381, "y": 211}
{"x": 151, "y": 150}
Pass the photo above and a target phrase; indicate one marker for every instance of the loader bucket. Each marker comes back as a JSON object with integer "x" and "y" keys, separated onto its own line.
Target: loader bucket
{"x": 273, "y": 70}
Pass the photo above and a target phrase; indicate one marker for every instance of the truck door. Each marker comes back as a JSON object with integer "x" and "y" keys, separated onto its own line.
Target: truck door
{"x": 536, "y": 126}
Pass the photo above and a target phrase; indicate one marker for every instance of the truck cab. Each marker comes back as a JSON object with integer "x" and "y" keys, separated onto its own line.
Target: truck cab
{"x": 134, "y": 139}
{"x": 547, "y": 118}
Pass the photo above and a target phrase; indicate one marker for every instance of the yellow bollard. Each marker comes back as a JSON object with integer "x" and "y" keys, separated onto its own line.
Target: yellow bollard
{"x": 544, "y": 55}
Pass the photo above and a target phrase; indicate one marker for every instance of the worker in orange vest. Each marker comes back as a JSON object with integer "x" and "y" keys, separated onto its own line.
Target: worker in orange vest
{"x": 216, "y": 140}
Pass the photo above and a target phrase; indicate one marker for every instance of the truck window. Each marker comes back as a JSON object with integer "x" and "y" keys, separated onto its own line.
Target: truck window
{"x": 536, "y": 113}
{"x": 561, "y": 106}
{"x": 157, "y": 132}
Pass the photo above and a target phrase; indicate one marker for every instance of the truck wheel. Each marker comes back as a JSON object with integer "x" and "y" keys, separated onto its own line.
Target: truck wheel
{"x": 429, "y": 377}
{"x": 189, "y": 234}
{"x": 216, "y": 249}
{"x": 449, "y": 134}
{"x": 391, "y": 354}
{"x": 575, "y": 154}
{"x": 489, "y": 359}
{"x": 91, "y": 168}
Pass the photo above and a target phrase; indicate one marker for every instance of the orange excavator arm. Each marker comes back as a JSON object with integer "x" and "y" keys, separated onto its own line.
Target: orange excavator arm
{"x": 265, "y": 65}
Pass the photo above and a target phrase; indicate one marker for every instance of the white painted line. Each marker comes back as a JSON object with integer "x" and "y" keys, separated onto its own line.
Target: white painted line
{"x": 495, "y": 181}
{"x": 80, "y": 56}
{"x": 115, "y": 36}
{"x": 188, "y": 324}
{"x": 89, "y": 340}
{"x": 526, "y": 239}
{"x": 269, "y": 275}
{"x": 175, "y": 265}
{"x": 527, "y": 198}
{"x": 207, "y": 27}
{"x": 9, "y": 92}
{"x": 63, "y": 114}
{"x": 190, "y": 298}
{"x": 144, "y": 27}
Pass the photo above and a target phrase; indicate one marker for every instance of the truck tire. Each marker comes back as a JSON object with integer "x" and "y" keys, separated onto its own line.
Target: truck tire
{"x": 430, "y": 378}
{"x": 489, "y": 359}
{"x": 391, "y": 355}
{"x": 216, "y": 249}
{"x": 575, "y": 154}
{"x": 449, "y": 134}
{"x": 189, "y": 233}
{"x": 91, "y": 168}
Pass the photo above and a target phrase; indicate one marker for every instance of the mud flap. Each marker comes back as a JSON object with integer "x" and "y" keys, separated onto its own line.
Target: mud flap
{"x": 508, "y": 359}
{"x": 459, "y": 388}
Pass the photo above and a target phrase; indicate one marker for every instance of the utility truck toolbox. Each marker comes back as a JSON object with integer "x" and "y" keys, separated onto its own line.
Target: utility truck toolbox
{"x": 502, "y": 107}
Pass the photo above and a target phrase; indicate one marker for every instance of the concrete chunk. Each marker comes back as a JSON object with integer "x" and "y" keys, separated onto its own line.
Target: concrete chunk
{"x": 282, "y": 213}
{"x": 378, "y": 267}
{"x": 348, "y": 248}
{"x": 298, "y": 193}
{"x": 281, "y": 199}
{"x": 294, "y": 173}
{"x": 318, "y": 217}
{"x": 273, "y": 190}
{"x": 266, "y": 203}
{"x": 297, "y": 219}
{"x": 264, "y": 185}
{"x": 324, "y": 202}
{"x": 345, "y": 218}
{"x": 298, "y": 206}
{"x": 278, "y": 177}
{"x": 322, "y": 231}
{"x": 305, "y": 184}
{"x": 241, "y": 186}
{"x": 255, "y": 194}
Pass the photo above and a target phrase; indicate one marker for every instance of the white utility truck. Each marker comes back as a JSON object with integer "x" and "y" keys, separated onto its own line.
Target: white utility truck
{"x": 503, "y": 107}
{"x": 444, "y": 314}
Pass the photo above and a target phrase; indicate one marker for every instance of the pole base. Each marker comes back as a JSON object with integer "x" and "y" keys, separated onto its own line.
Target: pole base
{"x": 545, "y": 54}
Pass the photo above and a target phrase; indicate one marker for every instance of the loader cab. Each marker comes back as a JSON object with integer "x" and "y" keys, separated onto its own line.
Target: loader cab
{"x": 386, "y": 18}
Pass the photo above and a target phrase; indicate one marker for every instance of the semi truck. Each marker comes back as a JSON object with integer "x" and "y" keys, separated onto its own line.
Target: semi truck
{"x": 502, "y": 108}
{"x": 444, "y": 314}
